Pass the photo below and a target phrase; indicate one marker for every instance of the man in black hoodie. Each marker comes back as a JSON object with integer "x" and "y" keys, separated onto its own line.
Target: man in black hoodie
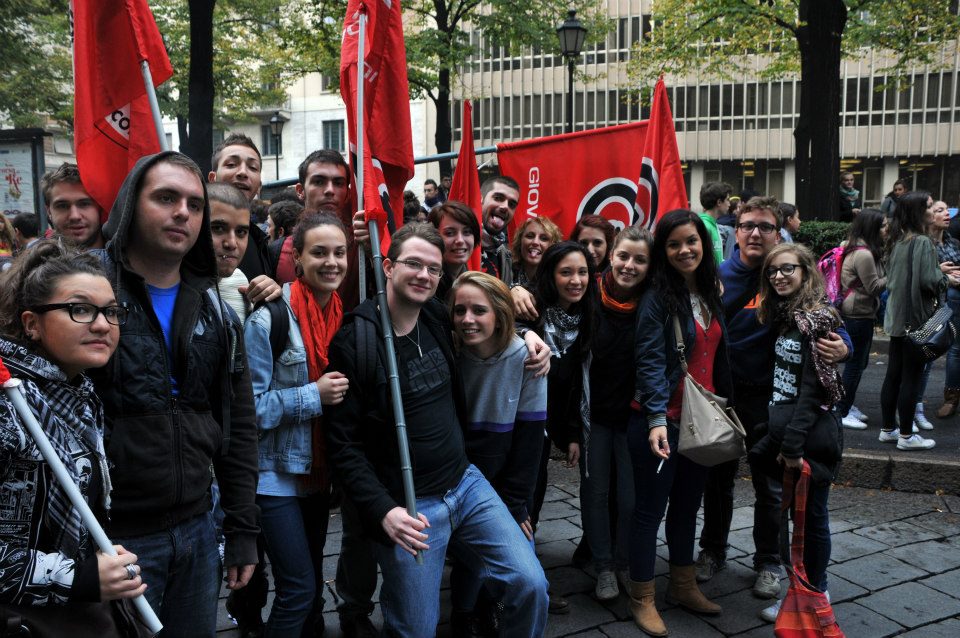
{"x": 177, "y": 398}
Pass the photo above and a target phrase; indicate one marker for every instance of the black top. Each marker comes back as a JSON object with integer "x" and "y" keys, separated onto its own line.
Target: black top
{"x": 612, "y": 376}
{"x": 256, "y": 260}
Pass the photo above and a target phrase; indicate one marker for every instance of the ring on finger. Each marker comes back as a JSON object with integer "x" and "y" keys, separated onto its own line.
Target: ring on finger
{"x": 132, "y": 572}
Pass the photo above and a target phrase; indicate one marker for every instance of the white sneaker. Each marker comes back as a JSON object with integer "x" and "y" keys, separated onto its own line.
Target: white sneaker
{"x": 769, "y": 614}
{"x": 853, "y": 423}
{"x": 920, "y": 419}
{"x": 890, "y": 436}
{"x": 858, "y": 414}
{"x": 915, "y": 442}
{"x": 607, "y": 586}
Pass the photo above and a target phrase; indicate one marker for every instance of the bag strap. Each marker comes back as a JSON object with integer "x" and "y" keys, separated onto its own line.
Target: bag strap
{"x": 797, "y": 496}
{"x": 909, "y": 290}
{"x": 681, "y": 347}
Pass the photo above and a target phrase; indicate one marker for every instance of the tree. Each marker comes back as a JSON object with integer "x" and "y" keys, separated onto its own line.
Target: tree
{"x": 723, "y": 39}
{"x": 37, "y": 72}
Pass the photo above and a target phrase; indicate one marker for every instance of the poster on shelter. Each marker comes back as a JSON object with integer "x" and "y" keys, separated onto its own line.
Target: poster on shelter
{"x": 16, "y": 178}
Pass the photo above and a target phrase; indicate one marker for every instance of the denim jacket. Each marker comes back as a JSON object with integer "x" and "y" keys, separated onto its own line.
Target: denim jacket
{"x": 285, "y": 399}
{"x": 657, "y": 361}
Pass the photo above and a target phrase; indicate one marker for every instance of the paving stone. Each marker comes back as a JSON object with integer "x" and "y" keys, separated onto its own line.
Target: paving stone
{"x": 842, "y": 590}
{"x": 560, "y": 529}
{"x": 740, "y": 613}
{"x": 948, "y": 582}
{"x": 555, "y": 553}
{"x": 896, "y": 533}
{"x": 857, "y": 621}
{"x": 949, "y": 628}
{"x": 732, "y": 578}
{"x": 593, "y": 633}
{"x": 585, "y": 613}
{"x": 332, "y": 545}
{"x": 912, "y": 604}
{"x": 742, "y": 541}
{"x": 876, "y": 571}
{"x": 558, "y": 509}
{"x": 944, "y": 523}
{"x": 847, "y": 546}
{"x": 554, "y": 493}
{"x": 933, "y": 556}
{"x": 838, "y": 525}
{"x": 680, "y": 622}
{"x": 569, "y": 580}
{"x": 742, "y": 518}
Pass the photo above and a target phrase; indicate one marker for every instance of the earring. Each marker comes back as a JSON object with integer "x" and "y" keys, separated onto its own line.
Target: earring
{"x": 298, "y": 269}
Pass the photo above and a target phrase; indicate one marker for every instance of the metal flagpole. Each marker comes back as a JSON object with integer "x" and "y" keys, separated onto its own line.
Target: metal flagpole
{"x": 14, "y": 390}
{"x": 386, "y": 325}
{"x": 154, "y": 105}
{"x": 361, "y": 52}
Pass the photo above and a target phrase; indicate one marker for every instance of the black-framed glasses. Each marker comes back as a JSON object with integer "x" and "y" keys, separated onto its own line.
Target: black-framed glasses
{"x": 765, "y": 227}
{"x": 81, "y": 312}
{"x": 417, "y": 266}
{"x": 784, "y": 269}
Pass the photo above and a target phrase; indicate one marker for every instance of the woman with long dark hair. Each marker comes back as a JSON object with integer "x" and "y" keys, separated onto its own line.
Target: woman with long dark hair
{"x": 862, "y": 280}
{"x": 915, "y": 282}
{"x": 595, "y": 233}
{"x": 685, "y": 286}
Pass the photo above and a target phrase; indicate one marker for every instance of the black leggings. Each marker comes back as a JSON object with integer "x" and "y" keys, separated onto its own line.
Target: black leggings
{"x": 901, "y": 386}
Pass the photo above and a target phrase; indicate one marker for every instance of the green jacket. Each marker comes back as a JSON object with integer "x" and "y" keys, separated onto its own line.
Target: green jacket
{"x": 928, "y": 285}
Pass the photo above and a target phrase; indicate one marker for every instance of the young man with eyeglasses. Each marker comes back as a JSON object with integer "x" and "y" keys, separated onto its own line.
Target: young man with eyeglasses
{"x": 750, "y": 347}
{"x": 177, "y": 399}
{"x": 457, "y": 507}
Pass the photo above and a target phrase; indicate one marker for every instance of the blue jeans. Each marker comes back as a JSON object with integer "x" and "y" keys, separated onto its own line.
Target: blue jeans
{"x": 953, "y": 355}
{"x": 480, "y": 532}
{"x": 295, "y": 530}
{"x": 861, "y": 335}
{"x": 182, "y": 569}
{"x": 680, "y": 481}
{"x": 608, "y": 451}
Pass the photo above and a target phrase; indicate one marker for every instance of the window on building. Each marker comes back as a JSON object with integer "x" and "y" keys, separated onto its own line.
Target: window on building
{"x": 333, "y": 135}
{"x": 271, "y": 145}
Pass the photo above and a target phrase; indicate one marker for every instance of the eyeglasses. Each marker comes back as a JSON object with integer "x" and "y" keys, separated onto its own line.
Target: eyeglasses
{"x": 765, "y": 227}
{"x": 784, "y": 269}
{"x": 416, "y": 266}
{"x": 87, "y": 312}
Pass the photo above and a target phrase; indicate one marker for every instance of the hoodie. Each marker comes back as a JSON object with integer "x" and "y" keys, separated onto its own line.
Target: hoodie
{"x": 163, "y": 444}
{"x": 749, "y": 344}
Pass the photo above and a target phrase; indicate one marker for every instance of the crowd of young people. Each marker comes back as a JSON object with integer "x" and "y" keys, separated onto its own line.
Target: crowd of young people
{"x": 284, "y": 389}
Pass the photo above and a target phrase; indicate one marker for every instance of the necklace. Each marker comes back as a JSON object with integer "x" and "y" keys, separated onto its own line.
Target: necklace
{"x": 417, "y": 342}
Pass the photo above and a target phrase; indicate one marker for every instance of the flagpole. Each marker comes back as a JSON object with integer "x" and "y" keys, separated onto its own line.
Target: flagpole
{"x": 386, "y": 325}
{"x": 14, "y": 391}
{"x": 154, "y": 105}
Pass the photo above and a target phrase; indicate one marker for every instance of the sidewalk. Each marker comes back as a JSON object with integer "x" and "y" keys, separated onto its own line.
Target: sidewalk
{"x": 895, "y": 570}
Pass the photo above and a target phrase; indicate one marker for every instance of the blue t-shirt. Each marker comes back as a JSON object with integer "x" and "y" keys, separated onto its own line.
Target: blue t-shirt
{"x": 164, "y": 300}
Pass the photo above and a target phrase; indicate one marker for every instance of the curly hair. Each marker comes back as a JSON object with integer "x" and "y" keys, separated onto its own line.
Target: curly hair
{"x": 809, "y": 297}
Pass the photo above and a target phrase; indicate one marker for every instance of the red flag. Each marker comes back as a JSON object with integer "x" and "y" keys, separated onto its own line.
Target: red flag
{"x": 661, "y": 177}
{"x": 113, "y": 126}
{"x": 466, "y": 179}
{"x": 388, "y": 142}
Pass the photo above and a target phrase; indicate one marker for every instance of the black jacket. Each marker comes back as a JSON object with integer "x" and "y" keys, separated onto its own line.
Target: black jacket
{"x": 162, "y": 445}
{"x": 257, "y": 260}
{"x": 361, "y": 431}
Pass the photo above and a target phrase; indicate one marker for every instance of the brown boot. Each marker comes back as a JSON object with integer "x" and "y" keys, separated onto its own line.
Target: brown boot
{"x": 644, "y": 610}
{"x": 951, "y": 397}
{"x": 683, "y": 591}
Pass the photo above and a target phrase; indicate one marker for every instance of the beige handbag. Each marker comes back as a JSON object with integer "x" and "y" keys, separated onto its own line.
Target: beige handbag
{"x": 710, "y": 432}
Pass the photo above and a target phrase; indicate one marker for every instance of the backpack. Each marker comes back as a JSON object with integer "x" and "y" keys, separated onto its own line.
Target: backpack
{"x": 830, "y": 266}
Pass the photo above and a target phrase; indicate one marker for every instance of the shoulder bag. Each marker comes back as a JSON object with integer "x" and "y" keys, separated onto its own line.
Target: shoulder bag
{"x": 937, "y": 334}
{"x": 710, "y": 432}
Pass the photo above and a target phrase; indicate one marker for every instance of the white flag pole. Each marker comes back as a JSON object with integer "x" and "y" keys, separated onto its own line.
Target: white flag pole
{"x": 361, "y": 50}
{"x": 154, "y": 105}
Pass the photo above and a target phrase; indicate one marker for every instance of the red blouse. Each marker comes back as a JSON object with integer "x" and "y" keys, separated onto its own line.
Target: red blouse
{"x": 699, "y": 364}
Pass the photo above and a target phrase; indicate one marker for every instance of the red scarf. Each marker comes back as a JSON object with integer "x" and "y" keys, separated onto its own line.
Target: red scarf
{"x": 317, "y": 327}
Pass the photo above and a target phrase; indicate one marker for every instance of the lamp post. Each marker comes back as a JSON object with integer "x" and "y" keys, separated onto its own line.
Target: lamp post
{"x": 571, "y": 34}
{"x": 276, "y": 128}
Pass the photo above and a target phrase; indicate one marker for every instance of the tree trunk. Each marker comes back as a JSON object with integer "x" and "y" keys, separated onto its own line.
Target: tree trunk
{"x": 817, "y": 133}
{"x": 199, "y": 143}
{"x": 184, "y": 132}
{"x": 444, "y": 133}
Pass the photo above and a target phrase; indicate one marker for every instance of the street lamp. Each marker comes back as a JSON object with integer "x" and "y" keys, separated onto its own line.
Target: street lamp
{"x": 572, "y": 34}
{"x": 276, "y": 128}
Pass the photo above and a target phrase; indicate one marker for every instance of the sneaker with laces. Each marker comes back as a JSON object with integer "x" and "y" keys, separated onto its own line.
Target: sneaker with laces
{"x": 767, "y": 584}
{"x": 889, "y": 436}
{"x": 920, "y": 419}
{"x": 852, "y": 423}
{"x": 606, "y": 586}
{"x": 858, "y": 414}
{"x": 769, "y": 614}
{"x": 707, "y": 565}
{"x": 915, "y": 442}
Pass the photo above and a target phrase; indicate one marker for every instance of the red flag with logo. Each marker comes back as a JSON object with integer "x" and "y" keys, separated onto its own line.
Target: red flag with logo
{"x": 113, "y": 126}
{"x": 627, "y": 173}
{"x": 466, "y": 179}
{"x": 388, "y": 142}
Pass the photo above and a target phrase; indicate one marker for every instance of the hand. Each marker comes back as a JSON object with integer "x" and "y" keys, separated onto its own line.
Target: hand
{"x": 856, "y": 211}
{"x": 115, "y": 582}
{"x": 948, "y": 267}
{"x": 333, "y": 387}
{"x": 538, "y": 354}
{"x": 573, "y": 454}
{"x": 527, "y": 527}
{"x": 361, "y": 234}
{"x": 261, "y": 288}
{"x": 831, "y": 348}
{"x": 523, "y": 303}
{"x": 953, "y": 279}
{"x": 793, "y": 464}
{"x": 405, "y": 530}
{"x": 239, "y": 575}
{"x": 658, "y": 442}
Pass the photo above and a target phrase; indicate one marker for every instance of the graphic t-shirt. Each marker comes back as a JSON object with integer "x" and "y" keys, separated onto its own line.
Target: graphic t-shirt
{"x": 788, "y": 364}
{"x": 164, "y": 300}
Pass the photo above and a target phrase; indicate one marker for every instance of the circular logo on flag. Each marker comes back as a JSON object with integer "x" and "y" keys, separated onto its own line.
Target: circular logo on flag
{"x": 614, "y": 199}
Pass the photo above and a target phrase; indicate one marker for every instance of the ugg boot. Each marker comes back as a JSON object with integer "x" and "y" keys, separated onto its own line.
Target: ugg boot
{"x": 951, "y": 397}
{"x": 683, "y": 591}
{"x": 644, "y": 610}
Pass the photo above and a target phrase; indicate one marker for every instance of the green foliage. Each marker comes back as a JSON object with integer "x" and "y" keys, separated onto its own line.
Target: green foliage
{"x": 820, "y": 237}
